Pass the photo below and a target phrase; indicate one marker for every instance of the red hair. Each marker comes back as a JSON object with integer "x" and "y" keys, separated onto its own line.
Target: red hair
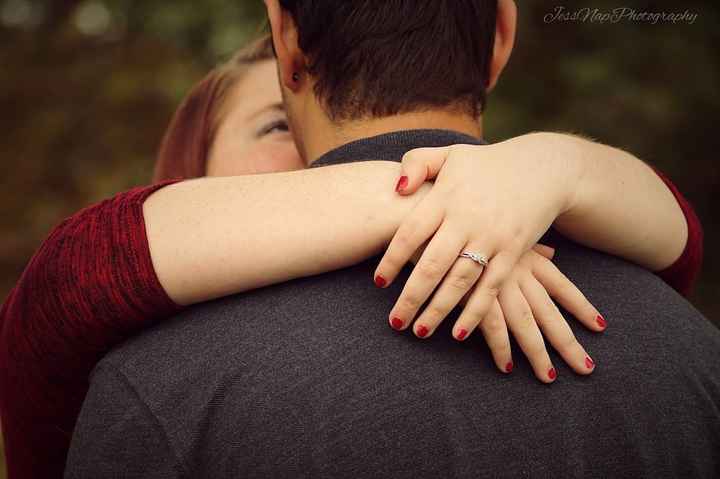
{"x": 185, "y": 147}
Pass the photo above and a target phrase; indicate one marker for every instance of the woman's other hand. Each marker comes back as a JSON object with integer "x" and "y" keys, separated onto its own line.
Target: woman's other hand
{"x": 525, "y": 309}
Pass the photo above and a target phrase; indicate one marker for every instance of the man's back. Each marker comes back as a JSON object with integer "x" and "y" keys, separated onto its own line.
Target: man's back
{"x": 306, "y": 379}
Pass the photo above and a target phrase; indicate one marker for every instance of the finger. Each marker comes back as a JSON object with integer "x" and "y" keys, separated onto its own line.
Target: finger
{"x": 521, "y": 323}
{"x": 554, "y": 327}
{"x": 545, "y": 251}
{"x": 495, "y": 332}
{"x": 560, "y": 288}
{"x": 457, "y": 283}
{"x": 420, "y": 226}
{"x": 434, "y": 264}
{"x": 485, "y": 293}
{"x": 420, "y": 165}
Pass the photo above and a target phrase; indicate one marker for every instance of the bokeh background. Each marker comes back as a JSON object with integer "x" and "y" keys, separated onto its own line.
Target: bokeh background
{"x": 88, "y": 86}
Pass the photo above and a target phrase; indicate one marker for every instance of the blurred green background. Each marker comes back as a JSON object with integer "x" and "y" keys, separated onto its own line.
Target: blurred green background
{"x": 88, "y": 87}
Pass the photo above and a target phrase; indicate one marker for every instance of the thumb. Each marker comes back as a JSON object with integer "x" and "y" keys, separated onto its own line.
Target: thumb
{"x": 420, "y": 165}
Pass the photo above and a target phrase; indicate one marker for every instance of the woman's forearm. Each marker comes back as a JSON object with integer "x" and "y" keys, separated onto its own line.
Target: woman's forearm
{"x": 211, "y": 237}
{"x": 621, "y": 206}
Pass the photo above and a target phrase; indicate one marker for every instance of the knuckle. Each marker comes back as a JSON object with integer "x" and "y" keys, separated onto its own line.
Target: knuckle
{"x": 494, "y": 327}
{"x": 518, "y": 234}
{"x": 516, "y": 275}
{"x": 436, "y": 313}
{"x": 430, "y": 269}
{"x": 410, "y": 302}
{"x": 492, "y": 292}
{"x": 546, "y": 312}
{"x": 536, "y": 350}
{"x": 537, "y": 259}
{"x": 461, "y": 282}
{"x": 408, "y": 230}
{"x": 527, "y": 319}
{"x": 404, "y": 239}
{"x": 528, "y": 259}
{"x": 512, "y": 240}
{"x": 521, "y": 270}
{"x": 392, "y": 260}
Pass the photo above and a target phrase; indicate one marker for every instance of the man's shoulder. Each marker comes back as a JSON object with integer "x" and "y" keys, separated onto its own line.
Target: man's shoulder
{"x": 310, "y": 358}
{"x": 636, "y": 302}
{"x": 229, "y": 329}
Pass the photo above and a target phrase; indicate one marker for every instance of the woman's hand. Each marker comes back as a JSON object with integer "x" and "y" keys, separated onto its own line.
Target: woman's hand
{"x": 525, "y": 308}
{"x": 495, "y": 200}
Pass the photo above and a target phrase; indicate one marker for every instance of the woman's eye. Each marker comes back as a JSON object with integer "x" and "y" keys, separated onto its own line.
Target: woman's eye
{"x": 280, "y": 126}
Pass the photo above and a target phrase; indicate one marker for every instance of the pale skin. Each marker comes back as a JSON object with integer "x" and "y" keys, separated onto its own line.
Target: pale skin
{"x": 238, "y": 230}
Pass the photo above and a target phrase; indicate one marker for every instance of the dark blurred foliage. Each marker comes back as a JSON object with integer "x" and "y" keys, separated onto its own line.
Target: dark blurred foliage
{"x": 87, "y": 88}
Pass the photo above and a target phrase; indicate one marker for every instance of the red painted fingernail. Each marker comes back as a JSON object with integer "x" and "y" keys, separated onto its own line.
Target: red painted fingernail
{"x": 397, "y": 323}
{"x": 402, "y": 183}
{"x": 422, "y": 331}
{"x": 380, "y": 281}
{"x": 552, "y": 374}
{"x": 589, "y": 362}
{"x": 461, "y": 334}
{"x": 509, "y": 367}
{"x": 601, "y": 321}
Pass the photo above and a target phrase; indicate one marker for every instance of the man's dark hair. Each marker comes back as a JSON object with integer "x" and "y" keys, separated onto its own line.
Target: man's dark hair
{"x": 377, "y": 58}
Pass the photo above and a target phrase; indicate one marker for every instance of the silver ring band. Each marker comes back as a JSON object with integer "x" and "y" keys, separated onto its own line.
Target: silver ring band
{"x": 477, "y": 257}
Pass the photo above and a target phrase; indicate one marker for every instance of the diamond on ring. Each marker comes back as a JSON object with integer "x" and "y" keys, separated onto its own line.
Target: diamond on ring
{"x": 478, "y": 258}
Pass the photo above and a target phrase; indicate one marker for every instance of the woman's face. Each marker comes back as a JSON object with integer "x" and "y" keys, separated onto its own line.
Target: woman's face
{"x": 253, "y": 136}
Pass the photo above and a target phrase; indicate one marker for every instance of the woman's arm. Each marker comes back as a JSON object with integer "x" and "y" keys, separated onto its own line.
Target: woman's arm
{"x": 92, "y": 283}
{"x": 620, "y": 206}
{"x": 517, "y": 189}
{"x": 212, "y": 237}
{"x": 89, "y": 286}
{"x": 204, "y": 245}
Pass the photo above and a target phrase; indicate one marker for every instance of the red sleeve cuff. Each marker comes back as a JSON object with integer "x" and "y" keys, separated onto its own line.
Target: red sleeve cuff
{"x": 683, "y": 273}
{"x": 148, "y": 294}
{"x": 89, "y": 286}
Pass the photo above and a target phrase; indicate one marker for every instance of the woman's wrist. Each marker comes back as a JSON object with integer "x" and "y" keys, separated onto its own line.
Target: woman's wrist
{"x": 385, "y": 174}
{"x": 620, "y": 206}
{"x": 563, "y": 158}
{"x": 211, "y": 237}
{"x": 372, "y": 196}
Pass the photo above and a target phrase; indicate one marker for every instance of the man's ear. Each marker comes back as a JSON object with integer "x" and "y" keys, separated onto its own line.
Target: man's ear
{"x": 505, "y": 28}
{"x": 291, "y": 61}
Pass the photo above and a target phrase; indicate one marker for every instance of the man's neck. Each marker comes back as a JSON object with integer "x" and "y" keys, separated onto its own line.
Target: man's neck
{"x": 322, "y": 139}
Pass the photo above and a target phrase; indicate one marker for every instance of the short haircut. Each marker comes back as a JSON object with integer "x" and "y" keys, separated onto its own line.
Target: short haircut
{"x": 377, "y": 58}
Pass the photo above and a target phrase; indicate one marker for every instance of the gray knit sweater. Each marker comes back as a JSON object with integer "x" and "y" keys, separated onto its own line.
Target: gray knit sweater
{"x": 306, "y": 380}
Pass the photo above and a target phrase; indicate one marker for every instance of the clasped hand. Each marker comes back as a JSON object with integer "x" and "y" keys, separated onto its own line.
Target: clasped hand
{"x": 496, "y": 201}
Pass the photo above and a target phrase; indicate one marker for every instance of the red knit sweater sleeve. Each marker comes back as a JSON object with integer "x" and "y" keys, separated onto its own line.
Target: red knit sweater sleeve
{"x": 683, "y": 274}
{"x": 88, "y": 287}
